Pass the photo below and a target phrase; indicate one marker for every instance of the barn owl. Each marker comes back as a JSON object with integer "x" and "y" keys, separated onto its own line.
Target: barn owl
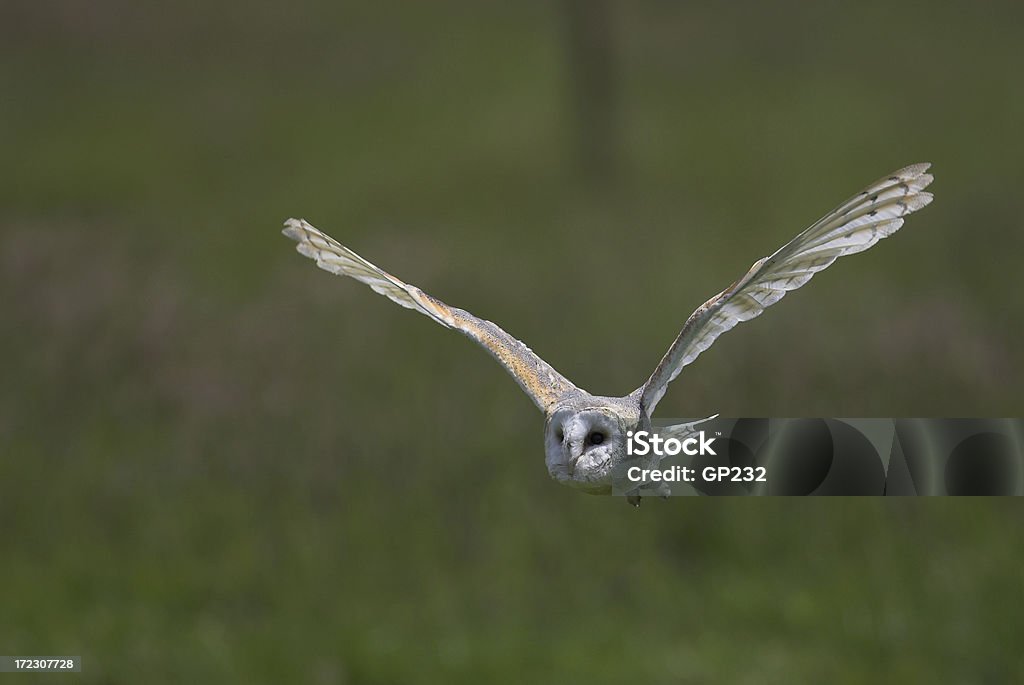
{"x": 585, "y": 435}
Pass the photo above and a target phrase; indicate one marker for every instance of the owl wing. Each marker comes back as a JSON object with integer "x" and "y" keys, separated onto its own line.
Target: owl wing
{"x": 543, "y": 384}
{"x": 855, "y": 225}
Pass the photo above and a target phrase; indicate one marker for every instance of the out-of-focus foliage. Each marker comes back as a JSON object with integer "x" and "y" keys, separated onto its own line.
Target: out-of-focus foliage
{"x": 219, "y": 464}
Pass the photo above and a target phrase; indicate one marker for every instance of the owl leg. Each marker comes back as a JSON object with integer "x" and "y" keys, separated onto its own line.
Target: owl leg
{"x": 662, "y": 490}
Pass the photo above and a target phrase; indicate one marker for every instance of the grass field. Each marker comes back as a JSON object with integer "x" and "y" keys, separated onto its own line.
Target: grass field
{"x": 219, "y": 464}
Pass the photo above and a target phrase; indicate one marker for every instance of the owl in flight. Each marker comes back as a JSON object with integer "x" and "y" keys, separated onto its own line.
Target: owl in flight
{"x": 585, "y": 436}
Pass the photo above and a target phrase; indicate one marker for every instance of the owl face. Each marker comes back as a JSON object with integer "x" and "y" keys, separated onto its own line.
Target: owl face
{"x": 583, "y": 447}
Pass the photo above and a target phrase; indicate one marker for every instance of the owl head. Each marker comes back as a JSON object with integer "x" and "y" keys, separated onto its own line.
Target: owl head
{"x": 586, "y": 447}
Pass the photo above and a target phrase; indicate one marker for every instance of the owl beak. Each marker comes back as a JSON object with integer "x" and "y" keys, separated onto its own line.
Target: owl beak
{"x": 574, "y": 448}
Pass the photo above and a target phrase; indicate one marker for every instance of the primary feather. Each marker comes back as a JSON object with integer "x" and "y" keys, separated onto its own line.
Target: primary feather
{"x": 855, "y": 225}
{"x": 537, "y": 378}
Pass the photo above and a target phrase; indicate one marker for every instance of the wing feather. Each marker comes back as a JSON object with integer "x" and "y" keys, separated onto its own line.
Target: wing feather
{"x": 540, "y": 381}
{"x": 855, "y": 225}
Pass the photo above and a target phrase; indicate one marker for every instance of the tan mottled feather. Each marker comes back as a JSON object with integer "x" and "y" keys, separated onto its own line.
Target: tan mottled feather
{"x": 540, "y": 381}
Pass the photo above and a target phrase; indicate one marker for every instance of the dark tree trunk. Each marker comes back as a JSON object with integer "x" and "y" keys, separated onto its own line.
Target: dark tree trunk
{"x": 590, "y": 53}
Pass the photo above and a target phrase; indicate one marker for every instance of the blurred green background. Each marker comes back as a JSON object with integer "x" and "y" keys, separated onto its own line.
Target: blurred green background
{"x": 220, "y": 464}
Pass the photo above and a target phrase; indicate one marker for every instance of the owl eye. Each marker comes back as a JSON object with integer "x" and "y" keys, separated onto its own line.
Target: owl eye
{"x": 595, "y": 438}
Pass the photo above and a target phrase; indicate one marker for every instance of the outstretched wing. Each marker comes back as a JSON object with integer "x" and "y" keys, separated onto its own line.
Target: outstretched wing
{"x": 855, "y": 225}
{"x": 543, "y": 384}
